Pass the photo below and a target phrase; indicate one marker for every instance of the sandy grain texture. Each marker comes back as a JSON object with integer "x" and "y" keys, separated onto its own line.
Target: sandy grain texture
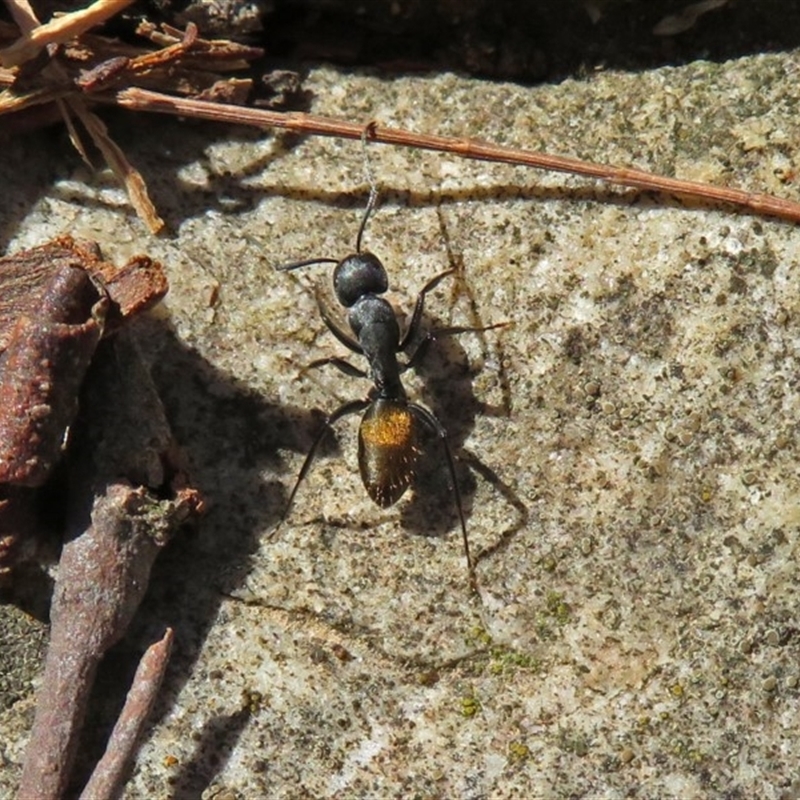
{"x": 635, "y": 634}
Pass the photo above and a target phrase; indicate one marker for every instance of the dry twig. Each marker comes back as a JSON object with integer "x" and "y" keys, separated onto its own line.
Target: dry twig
{"x": 184, "y": 62}
{"x": 34, "y": 37}
{"x": 103, "y": 574}
{"x": 107, "y": 778}
{"x": 142, "y": 100}
{"x": 58, "y": 31}
{"x": 56, "y": 302}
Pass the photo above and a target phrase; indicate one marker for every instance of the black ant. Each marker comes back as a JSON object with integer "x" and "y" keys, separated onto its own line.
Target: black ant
{"x": 388, "y": 437}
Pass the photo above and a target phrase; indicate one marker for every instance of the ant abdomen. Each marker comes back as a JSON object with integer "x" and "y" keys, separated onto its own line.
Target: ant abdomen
{"x": 388, "y": 450}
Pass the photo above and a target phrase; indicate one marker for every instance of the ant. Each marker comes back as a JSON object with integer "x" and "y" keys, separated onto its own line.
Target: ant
{"x": 388, "y": 437}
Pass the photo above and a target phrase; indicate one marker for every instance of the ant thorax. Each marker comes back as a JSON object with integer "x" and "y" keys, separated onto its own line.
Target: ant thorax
{"x": 372, "y": 320}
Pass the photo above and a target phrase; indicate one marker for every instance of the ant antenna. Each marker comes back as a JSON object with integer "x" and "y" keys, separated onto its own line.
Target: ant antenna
{"x": 373, "y": 189}
{"x": 308, "y": 262}
{"x": 371, "y": 203}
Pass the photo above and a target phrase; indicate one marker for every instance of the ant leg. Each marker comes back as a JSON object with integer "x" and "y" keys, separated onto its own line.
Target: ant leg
{"x": 353, "y": 407}
{"x": 438, "y": 333}
{"x": 419, "y": 306}
{"x": 343, "y": 366}
{"x": 428, "y": 419}
{"x": 327, "y": 317}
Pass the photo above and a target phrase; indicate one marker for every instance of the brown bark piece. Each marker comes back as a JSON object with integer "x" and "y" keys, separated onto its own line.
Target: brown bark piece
{"x": 56, "y": 302}
{"x": 47, "y": 352}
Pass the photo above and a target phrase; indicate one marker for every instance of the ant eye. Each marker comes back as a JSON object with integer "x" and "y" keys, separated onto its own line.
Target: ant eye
{"x": 357, "y": 275}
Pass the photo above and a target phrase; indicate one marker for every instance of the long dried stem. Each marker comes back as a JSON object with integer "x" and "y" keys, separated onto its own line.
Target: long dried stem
{"x": 145, "y": 100}
{"x": 108, "y": 776}
{"x": 57, "y": 31}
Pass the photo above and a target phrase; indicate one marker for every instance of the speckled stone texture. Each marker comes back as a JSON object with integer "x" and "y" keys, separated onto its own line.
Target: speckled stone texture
{"x": 628, "y": 448}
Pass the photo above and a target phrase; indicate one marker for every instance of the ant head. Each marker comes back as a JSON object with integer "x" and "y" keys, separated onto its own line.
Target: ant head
{"x": 359, "y": 274}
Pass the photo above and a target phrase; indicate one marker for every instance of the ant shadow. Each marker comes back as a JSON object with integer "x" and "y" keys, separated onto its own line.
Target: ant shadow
{"x": 447, "y": 389}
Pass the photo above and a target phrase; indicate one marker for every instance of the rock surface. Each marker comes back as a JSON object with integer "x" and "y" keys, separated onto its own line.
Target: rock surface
{"x": 629, "y": 468}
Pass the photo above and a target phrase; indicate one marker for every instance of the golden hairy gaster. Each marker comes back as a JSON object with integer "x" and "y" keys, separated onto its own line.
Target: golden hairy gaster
{"x": 393, "y": 428}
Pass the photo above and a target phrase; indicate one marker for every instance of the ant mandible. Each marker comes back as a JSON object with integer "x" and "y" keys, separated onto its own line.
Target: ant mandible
{"x": 388, "y": 437}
